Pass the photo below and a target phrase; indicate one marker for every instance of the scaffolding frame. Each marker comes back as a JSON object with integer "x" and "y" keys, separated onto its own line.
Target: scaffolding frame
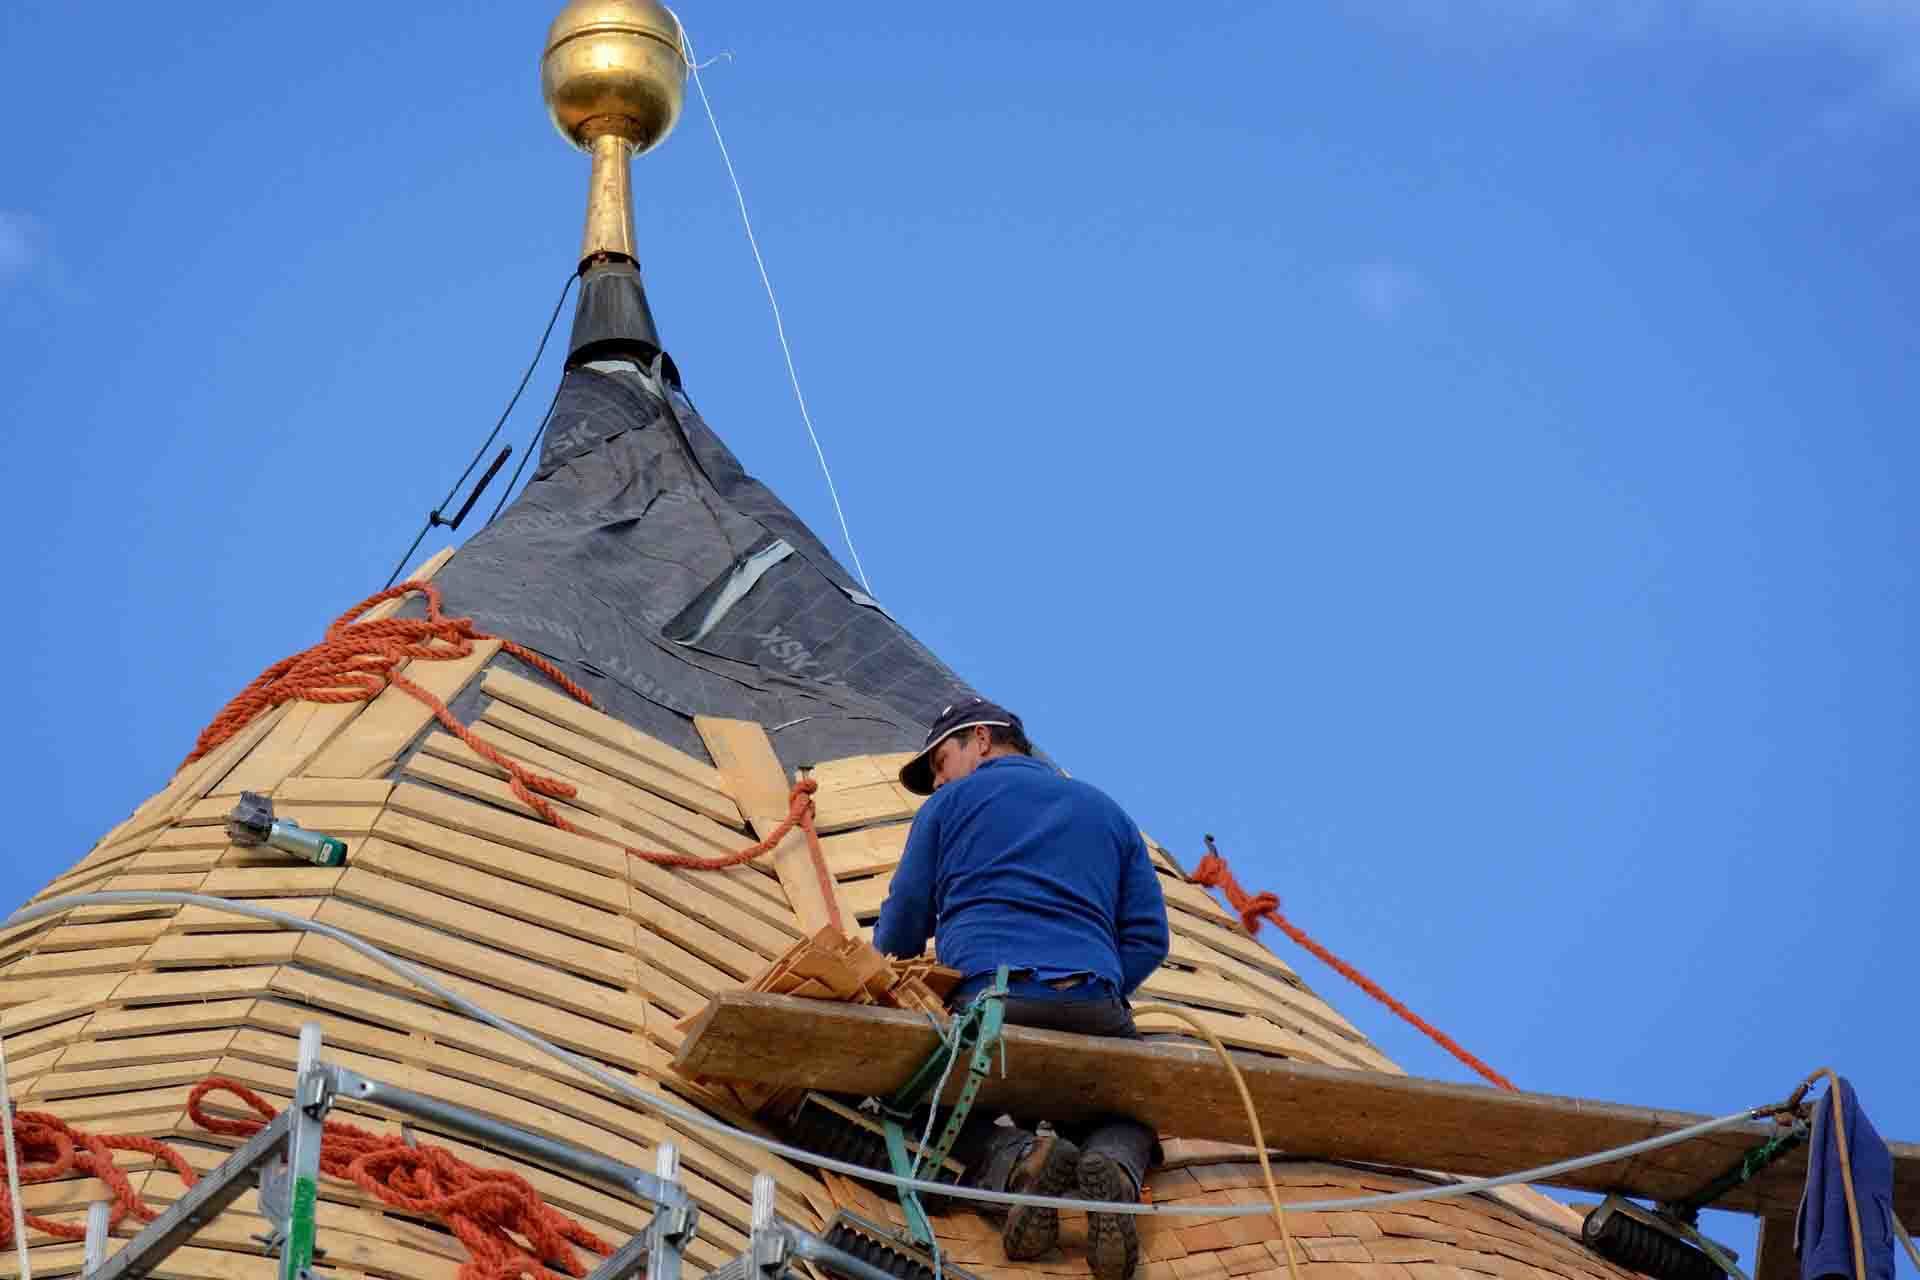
{"x": 283, "y": 1159}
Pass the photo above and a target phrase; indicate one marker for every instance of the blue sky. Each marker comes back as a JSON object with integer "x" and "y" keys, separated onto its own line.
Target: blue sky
{"x": 1460, "y": 454}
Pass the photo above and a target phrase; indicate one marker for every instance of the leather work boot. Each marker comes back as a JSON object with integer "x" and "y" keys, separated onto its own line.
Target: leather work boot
{"x": 1049, "y": 1168}
{"x": 1113, "y": 1242}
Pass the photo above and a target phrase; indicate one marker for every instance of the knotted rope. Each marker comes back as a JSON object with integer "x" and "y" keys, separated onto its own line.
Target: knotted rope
{"x": 480, "y": 1206}
{"x": 485, "y": 1208}
{"x": 1253, "y": 908}
{"x": 51, "y": 1149}
{"x": 359, "y": 660}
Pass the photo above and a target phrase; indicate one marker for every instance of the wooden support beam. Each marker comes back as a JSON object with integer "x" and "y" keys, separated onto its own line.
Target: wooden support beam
{"x": 759, "y": 785}
{"x": 1773, "y": 1256}
{"x": 1309, "y": 1110}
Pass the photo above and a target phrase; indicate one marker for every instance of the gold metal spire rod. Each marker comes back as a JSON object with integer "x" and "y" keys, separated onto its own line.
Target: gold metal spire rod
{"x": 613, "y": 75}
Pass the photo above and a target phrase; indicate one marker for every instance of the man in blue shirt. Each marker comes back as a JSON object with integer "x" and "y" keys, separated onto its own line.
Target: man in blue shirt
{"x": 1012, "y": 863}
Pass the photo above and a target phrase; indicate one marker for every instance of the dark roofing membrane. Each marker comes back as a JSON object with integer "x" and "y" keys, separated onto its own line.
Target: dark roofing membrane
{"x": 647, "y": 563}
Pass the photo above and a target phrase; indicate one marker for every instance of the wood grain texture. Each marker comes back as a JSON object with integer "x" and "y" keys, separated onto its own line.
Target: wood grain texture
{"x": 1183, "y": 1090}
{"x": 754, "y": 776}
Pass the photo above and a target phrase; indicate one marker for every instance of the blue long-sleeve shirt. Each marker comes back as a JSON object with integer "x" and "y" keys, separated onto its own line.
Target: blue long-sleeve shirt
{"x": 1016, "y": 864}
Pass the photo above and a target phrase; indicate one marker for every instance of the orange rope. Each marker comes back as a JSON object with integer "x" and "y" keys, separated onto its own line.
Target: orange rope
{"x": 485, "y": 1208}
{"x": 358, "y": 660}
{"x": 51, "y": 1149}
{"x": 1214, "y": 873}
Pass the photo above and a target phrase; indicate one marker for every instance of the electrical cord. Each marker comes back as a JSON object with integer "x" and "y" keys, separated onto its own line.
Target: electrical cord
{"x": 688, "y": 1116}
{"x": 533, "y": 449}
{"x": 433, "y": 517}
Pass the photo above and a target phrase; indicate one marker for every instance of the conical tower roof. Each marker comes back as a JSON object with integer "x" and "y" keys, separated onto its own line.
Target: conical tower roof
{"x": 723, "y": 647}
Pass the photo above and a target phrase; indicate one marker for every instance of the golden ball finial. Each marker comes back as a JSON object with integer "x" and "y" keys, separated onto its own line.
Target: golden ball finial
{"x": 613, "y": 67}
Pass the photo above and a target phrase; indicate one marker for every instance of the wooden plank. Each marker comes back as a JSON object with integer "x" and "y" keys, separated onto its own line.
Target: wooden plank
{"x": 61, "y": 1083}
{"x": 111, "y": 1023}
{"x": 289, "y": 746}
{"x": 502, "y": 969}
{"x": 603, "y": 924}
{"x": 192, "y": 986}
{"x": 284, "y": 880}
{"x": 686, "y": 894}
{"x": 613, "y": 763}
{"x": 754, "y": 776}
{"x": 396, "y": 717}
{"x": 68, "y": 964}
{"x": 205, "y": 950}
{"x": 1240, "y": 1032}
{"x": 861, "y": 806}
{"x": 859, "y": 771}
{"x": 1228, "y": 939}
{"x": 609, "y": 839}
{"x": 1773, "y": 1255}
{"x": 865, "y": 852}
{"x": 306, "y": 790}
{"x": 654, "y": 819}
{"x": 865, "y": 897}
{"x": 573, "y": 1031}
{"x": 551, "y": 704}
{"x": 111, "y": 933}
{"x": 1305, "y": 1109}
{"x": 144, "y": 1050}
{"x": 561, "y": 879}
{"x": 198, "y": 919}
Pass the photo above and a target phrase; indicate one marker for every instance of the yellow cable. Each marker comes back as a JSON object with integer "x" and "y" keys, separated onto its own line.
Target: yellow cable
{"x": 1253, "y": 1121}
{"x": 1907, "y": 1240}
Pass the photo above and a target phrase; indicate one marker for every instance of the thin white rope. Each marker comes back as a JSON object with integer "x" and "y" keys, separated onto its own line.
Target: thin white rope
{"x": 13, "y": 1168}
{"x": 779, "y": 325}
{"x": 699, "y": 1120}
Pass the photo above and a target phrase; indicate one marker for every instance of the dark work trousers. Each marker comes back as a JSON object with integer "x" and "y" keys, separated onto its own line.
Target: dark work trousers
{"x": 989, "y": 1150}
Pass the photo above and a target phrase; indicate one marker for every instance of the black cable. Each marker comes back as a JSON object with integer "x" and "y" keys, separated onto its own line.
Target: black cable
{"x": 538, "y": 351}
{"x": 407, "y": 555}
{"x": 533, "y": 447}
{"x": 434, "y": 517}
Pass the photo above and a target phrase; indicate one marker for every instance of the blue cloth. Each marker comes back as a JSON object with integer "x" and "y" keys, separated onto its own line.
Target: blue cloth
{"x": 1016, "y": 864}
{"x": 1822, "y": 1236}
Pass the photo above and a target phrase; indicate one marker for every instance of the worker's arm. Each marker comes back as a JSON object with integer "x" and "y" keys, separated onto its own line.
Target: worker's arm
{"x": 1143, "y": 916}
{"x": 907, "y": 917}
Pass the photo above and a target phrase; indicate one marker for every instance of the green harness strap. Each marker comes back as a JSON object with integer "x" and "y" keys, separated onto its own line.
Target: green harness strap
{"x": 975, "y": 1033}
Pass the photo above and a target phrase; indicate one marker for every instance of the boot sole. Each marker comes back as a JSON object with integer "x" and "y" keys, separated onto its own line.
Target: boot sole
{"x": 1113, "y": 1242}
{"x": 1031, "y": 1231}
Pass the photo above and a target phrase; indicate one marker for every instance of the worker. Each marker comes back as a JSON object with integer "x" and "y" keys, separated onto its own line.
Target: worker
{"x": 1012, "y": 863}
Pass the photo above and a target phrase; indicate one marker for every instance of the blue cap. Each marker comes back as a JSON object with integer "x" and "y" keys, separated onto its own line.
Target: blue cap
{"x": 916, "y": 775}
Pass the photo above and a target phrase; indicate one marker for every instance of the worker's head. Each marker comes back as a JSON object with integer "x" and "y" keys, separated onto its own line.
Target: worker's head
{"x": 963, "y": 737}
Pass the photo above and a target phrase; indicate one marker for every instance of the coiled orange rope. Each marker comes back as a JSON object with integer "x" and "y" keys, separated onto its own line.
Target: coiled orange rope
{"x": 480, "y": 1206}
{"x": 1214, "y": 873}
{"x": 51, "y": 1149}
{"x": 484, "y": 1208}
{"x": 358, "y": 660}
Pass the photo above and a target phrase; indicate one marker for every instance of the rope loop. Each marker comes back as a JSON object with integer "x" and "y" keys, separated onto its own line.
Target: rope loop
{"x": 360, "y": 660}
{"x": 484, "y": 1208}
{"x": 1253, "y": 909}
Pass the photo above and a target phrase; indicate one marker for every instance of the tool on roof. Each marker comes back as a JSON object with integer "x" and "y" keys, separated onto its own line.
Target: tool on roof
{"x": 1665, "y": 1242}
{"x": 252, "y": 823}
